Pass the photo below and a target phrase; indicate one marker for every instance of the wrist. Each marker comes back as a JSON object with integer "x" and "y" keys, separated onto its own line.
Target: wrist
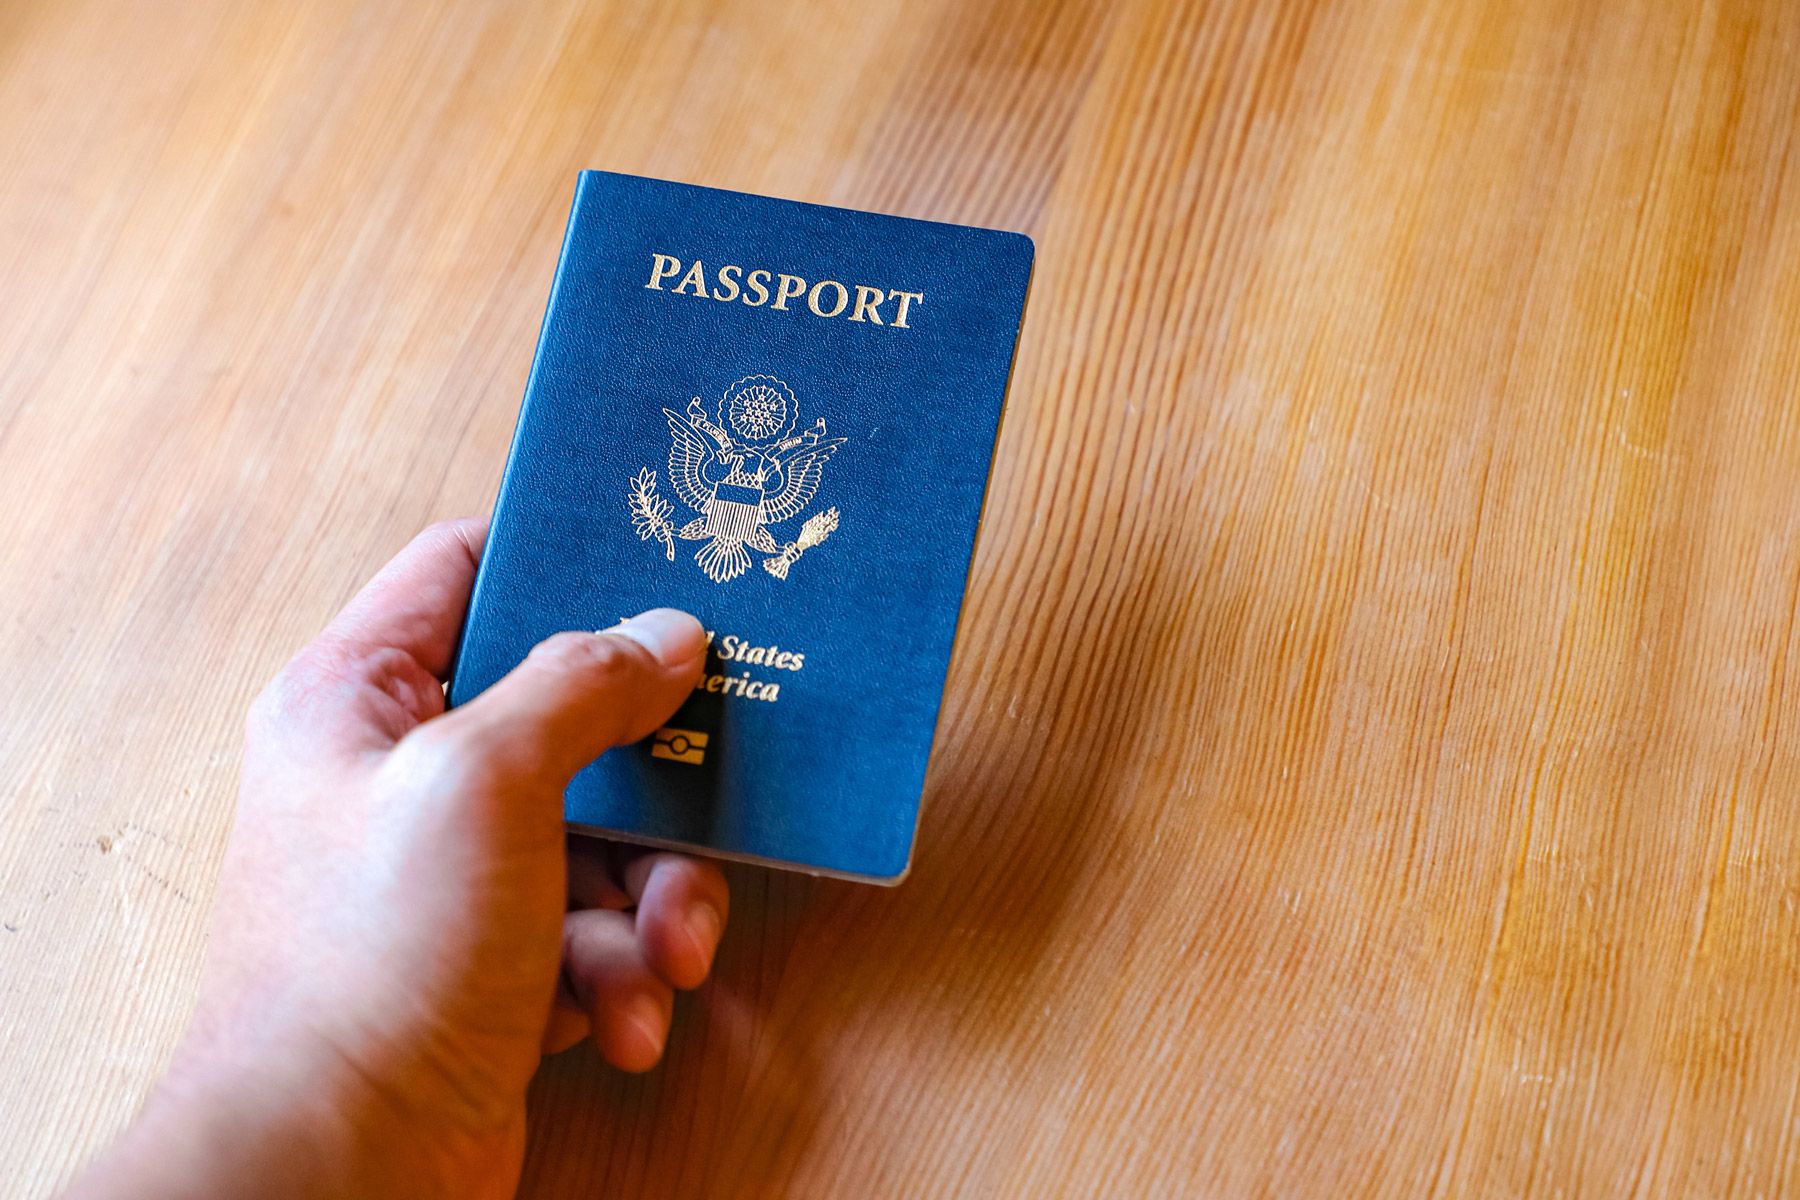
{"x": 290, "y": 1122}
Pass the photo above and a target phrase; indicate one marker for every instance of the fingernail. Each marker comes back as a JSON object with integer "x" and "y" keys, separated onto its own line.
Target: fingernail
{"x": 670, "y": 635}
{"x": 705, "y": 924}
{"x": 645, "y": 1015}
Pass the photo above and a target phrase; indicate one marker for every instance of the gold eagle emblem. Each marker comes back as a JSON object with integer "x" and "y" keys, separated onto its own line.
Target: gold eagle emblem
{"x": 742, "y": 469}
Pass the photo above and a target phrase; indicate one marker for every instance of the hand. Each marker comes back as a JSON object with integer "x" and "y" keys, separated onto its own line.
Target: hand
{"x": 400, "y": 927}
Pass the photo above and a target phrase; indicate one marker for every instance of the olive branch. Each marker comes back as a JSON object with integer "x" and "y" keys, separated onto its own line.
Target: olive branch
{"x": 650, "y": 512}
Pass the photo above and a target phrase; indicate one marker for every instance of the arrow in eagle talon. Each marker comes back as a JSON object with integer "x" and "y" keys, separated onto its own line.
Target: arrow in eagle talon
{"x": 818, "y": 527}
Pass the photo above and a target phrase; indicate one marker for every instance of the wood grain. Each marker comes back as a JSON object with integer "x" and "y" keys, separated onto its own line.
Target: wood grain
{"x": 1369, "y": 764}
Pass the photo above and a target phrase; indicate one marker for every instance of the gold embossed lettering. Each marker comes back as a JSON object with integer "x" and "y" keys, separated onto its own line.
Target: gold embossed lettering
{"x": 728, "y": 283}
{"x": 812, "y": 298}
{"x": 906, "y": 300}
{"x": 695, "y": 279}
{"x": 787, "y": 287}
{"x": 868, "y": 303}
{"x": 661, "y": 267}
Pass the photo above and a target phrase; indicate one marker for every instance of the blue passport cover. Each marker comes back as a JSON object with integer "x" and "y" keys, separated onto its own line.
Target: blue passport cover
{"x": 779, "y": 417}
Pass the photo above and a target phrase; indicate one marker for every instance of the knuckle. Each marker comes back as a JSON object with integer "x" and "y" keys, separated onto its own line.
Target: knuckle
{"x": 589, "y": 657}
{"x": 291, "y": 692}
{"x": 317, "y": 679}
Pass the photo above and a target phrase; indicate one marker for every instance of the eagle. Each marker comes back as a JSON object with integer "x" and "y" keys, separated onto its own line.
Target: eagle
{"x": 740, "y": 487}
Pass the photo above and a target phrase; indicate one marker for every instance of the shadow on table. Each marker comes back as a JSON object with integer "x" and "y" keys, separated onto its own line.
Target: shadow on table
{"x": 826, "y": 992}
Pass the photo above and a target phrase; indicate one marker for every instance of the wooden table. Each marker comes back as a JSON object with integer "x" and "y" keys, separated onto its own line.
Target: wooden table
{"x": 1370, "y": 764}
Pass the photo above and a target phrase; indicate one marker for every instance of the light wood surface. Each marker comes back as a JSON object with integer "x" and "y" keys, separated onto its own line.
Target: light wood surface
{"x": 1370, "y": 764}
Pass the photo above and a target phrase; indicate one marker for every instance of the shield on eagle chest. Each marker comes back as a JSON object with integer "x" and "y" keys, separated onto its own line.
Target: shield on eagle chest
{"x": 734, "y": 512}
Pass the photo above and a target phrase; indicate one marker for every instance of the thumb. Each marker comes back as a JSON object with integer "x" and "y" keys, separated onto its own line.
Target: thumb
{"x": 577, "y": 695}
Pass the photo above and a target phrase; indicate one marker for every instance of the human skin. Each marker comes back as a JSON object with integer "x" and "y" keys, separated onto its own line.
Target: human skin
{"x": 401, "y": 927}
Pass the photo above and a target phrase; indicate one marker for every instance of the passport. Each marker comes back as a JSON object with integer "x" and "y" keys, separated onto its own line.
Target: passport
{"x": 780, "y": 417}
